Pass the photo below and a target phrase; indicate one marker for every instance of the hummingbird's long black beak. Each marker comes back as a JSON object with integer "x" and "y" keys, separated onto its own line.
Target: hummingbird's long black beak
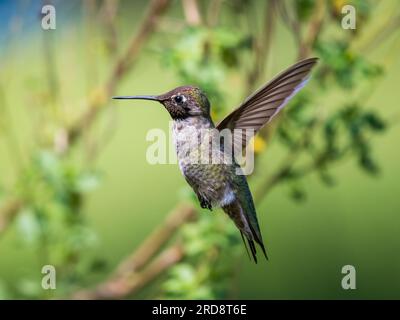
{"x": 154, "y": 98}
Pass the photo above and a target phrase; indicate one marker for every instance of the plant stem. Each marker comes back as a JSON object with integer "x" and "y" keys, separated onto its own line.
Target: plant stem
{"x": 137, "y": 270}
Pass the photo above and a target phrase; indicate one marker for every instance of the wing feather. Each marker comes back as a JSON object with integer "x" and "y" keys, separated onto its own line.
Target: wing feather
{"x": 260, "y": 107}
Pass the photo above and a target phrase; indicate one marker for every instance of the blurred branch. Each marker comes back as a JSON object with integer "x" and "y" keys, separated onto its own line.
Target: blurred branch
{"x": 191, "y": 12}
{"x": 7, "y": 213}
{"x": 132, "y": 273}
{"x": 314, "y": 29}
{"x": 213, "y": 12}
{"x": 90, "y": 11}
{"x": 292, "y": 23}
{"x": 129, "y": 284}
{"x": 108, "y": 13}
{"x": 381, "y": 35}
{"x": 160, "y": 236}
{"x": 306, "y": 43}
{"x": 122, "y": 66}
{"x": 51, "y": 70}
{"x": 287, "y": 164}
{"x": 305, "y": 47}
{"x": 262, "y": 46}
{"x": 8, "y": 131}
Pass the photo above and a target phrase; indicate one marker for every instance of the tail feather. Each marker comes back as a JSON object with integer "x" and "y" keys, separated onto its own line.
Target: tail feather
{"x": 246, "y": 228}
{"x": 253, "y": 249}
{"x": 245, "y": 245}
{"x": 259, "y": 241}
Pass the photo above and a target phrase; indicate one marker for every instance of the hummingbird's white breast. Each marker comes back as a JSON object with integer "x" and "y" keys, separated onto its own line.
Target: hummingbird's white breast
{"x": 201, "y": 159}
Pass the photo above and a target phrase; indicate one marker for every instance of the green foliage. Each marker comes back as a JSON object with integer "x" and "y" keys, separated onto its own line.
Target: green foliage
{"x": 210, "y": 245}
{"x": 202, "y": 56}
{"x": 304, "y": 8}
{"x": 343, "y": 65}
{"x": 51, "y": 220}
{"x": 53, "y": 187}
{"x": 326, "y": 140}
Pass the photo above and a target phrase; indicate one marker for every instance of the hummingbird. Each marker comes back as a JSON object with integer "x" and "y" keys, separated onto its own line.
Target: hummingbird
{"x": 219, "y": 184}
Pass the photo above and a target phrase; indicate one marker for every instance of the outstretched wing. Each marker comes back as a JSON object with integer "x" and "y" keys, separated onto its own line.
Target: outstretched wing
{"x": 259, "y": 108}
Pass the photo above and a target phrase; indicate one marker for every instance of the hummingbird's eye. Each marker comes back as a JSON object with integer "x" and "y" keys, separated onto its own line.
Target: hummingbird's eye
{"x": 179, "y": 98}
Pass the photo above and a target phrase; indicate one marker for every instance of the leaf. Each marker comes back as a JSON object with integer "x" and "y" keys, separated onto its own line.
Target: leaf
{"x": 304, "y": 8}
{"x": 368, "y": 164}
{"x": 374, "y": 122}
{"x": 286, "y": 136}
{"x": 327, "y": 178}
{"x": 173, "y": 286}
{"x": 87, "y": 182}
{"x": 28, "y": 226}
{"x": 194, "y": 247}
{"x": 30, "y": 288}
{"x": 98, "y": 265}
{"x": 330, "y": 132}
{"x": 48, "y": 162}
{"x": 297, "y": 193}
{"x": 203, "y": 293}
{"x": 372, "y": 70}
{"x": 346, "y": 67}
{"x": 184, "y": 272}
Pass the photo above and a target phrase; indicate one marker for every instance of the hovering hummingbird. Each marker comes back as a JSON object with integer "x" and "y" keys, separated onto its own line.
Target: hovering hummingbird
{"x": 219, "y": 184}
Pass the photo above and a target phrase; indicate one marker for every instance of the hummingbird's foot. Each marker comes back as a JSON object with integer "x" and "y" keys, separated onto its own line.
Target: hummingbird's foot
{"x": 204, "y": 203}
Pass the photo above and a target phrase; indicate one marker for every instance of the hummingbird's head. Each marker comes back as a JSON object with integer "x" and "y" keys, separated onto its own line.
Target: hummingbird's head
{"x": 181, "y": 102}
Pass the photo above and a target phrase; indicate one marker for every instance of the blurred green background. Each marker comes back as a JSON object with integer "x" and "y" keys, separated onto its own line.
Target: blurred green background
{"x": 49, "y": 78}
